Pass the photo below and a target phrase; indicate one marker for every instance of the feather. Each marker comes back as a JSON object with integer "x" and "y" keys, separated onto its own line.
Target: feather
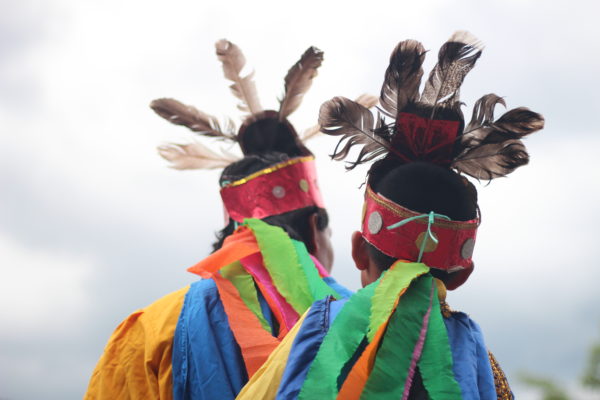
{"x": 514, "y": 124}
{"x": 483, "y": 111}
{"x": 298, "y": 80}
{"x": 491, "y": 149}
{"x": 310, "y": 133}
{"x": 354, "y": 123}
{"x": 492, "y": 160}
{"x": 365, "y": 100}
{"x": 402, "y": 77}
{"x": 194, "y": 156}
{"x": 455, "y": 59}
{"x": 181, "y": 114}
{"x": 519, "y": 122}
{"x": 243, "y": 88}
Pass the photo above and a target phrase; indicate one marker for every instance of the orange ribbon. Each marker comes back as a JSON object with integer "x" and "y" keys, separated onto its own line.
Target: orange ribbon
{"x": 357, "y": 378}
{"x": 240, "y": 244}
{"x": 255, "y": 343}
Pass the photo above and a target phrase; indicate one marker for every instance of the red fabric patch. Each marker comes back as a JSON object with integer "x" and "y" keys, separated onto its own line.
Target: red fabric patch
{"x": 424, "y": 139}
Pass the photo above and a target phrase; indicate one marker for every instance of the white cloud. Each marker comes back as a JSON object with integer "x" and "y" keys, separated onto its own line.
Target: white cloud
{"x": 41, "y": 287}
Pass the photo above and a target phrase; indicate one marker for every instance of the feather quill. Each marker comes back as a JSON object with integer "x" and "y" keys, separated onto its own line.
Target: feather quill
{"x": 354, "y": 123}
{"x": 365, "y": 100}
{"x": 402, "y": 77}
{"x": 189, "y": 116}
{"x": 298, "y": 80}
{"x": 455, "y": 59}
{"x": 243, "y": 88}
{"x": 194, "y": 156}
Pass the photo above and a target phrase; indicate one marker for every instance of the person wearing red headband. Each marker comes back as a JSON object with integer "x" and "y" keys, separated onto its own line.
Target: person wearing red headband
{"x": 270, "y": 262}
{"x": 397, "y": 338}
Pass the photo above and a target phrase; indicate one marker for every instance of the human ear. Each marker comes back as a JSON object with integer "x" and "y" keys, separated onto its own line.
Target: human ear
{"x": 360, "y": 254}
{"x": 320, "y": 242}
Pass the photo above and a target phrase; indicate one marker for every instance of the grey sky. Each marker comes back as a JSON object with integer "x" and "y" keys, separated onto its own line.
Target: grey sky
{"x": 93, "y": 225}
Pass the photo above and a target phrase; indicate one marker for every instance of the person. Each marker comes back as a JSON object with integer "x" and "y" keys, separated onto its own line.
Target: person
{"x": 270, "y": 262}
{"x": 397, "y": 337}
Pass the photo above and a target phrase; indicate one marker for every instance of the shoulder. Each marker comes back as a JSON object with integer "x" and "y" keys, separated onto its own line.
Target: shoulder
{"x": 137, "y": 348}
{"x": 160, "y": 316}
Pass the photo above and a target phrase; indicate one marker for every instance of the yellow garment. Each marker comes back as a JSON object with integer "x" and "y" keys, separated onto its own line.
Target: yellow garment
{"x": 136, "y": 363}
{"x": 261, "y": 386}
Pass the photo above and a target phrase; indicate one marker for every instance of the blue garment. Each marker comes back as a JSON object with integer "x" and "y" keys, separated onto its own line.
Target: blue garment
{"x": 471, "y": 364}
{"x": 341, "y": 290}
{"x": 207, "y": 361}
{"x": 306, "y": 345}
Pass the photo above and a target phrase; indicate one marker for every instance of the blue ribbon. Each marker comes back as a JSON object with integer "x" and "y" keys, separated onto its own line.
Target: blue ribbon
{"x": 431, "y": 219}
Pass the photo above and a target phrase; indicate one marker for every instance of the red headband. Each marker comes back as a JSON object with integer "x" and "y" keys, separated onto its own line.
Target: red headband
{"x": 287, "y": 186}
{"x": 452, "y": 253}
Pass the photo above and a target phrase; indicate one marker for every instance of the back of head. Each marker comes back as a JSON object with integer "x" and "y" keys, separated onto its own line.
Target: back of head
{"x": 423, "y": 188}
{"x": 295, "y": 222}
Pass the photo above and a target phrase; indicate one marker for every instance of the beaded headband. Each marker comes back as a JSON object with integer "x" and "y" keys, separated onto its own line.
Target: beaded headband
{"x": 432, "y": 239}
{"x": 283, "y": 187}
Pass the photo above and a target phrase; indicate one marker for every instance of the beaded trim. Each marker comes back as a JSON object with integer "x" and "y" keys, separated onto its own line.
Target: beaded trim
{"x": 503, "y": 391}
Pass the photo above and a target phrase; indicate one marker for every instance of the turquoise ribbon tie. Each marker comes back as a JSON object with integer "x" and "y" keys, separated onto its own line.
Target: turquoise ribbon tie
{"x": 430, "y": 220}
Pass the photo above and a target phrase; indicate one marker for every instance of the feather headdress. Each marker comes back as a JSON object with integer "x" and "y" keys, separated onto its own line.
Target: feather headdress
{"x": 278, "y": 129}
{"x": 429, "y": 126}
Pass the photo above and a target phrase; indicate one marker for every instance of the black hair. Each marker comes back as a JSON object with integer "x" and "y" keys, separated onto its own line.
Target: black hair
{"x": 281, "y": 137}
{"x": 423, "y": 187}
{"x": 265, "y": 142}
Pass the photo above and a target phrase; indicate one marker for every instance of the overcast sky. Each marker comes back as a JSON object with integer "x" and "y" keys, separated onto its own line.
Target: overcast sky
{"x": 94, "y": 225}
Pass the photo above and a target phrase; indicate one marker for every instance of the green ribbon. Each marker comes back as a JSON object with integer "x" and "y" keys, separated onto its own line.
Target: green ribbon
{"x": 339, "y": 345}
{"x": 392, "y": 362}
{"x": 393, "y": 282}
{"x": 431, "y": 219}
{"x": 289, "y": 265}
{"x": 435, "y": 363}
{"x": 244, "y": 283}
{"x": 318, "y": 288}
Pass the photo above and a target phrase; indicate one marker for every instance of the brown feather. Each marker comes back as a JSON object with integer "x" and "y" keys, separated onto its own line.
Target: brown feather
{"x": 354, "y": 123}
{"x": 455, "y": 59}
{"x": 365, "y": 100}
{"x": 492, "y": 160}
{"x": 483, "y": 111}
{"x": 514, "y": 124}
{"x": 194, "y": 156}
{"x": 491, "y": 149}
{"x": 243, "y": 88}
{"x": 402, "y": 77}
{"x": 298, "y": 80}
{"x": 189, "y": 116}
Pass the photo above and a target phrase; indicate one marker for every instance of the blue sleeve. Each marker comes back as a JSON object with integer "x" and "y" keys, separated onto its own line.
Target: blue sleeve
{"x": 332, "y": 283}
{"x": 304, "y": 349}
{"x": 207, "y": 361}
